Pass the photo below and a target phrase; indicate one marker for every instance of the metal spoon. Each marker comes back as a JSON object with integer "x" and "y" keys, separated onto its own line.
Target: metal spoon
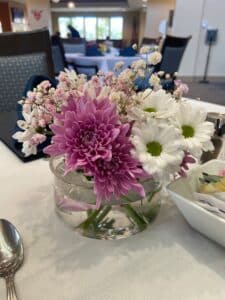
{"x": 11, "y": 255}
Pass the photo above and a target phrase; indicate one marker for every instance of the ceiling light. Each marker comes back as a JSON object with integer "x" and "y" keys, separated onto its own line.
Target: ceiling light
{"x": 144, "y": 0}
{"x": 71, "y": 4}
{"x": 55, "y": 1}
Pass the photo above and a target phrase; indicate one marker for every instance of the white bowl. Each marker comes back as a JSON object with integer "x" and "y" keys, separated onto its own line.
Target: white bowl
{"x": 182, "y": 192}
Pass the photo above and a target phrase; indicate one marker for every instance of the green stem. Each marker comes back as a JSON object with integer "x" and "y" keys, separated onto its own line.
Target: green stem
{"x": 134, "y": 216}
{"x": 103, "y": 213}
{"x": 152, "y": 194}
{"x": 91, "y": 217}
{"x": 95, "y": 217}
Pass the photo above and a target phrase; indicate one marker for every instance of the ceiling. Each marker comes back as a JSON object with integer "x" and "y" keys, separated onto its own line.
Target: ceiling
{"x": 90, "y": 5}
{"x": 86, "y": 3}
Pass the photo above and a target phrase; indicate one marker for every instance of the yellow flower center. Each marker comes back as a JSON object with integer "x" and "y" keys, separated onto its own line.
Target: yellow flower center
{"x": 154, "y": 148}
{"x": 188, "y": 131}
{"x": 150, "y": 109}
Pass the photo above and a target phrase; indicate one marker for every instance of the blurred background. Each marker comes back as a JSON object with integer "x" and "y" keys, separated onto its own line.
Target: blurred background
{"x": 121, "y": 23}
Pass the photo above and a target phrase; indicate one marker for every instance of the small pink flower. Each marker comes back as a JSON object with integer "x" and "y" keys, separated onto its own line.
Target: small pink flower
{"x": 38, "y": 139}
{"x": 42, "y": 123}
{"x": 34, "y": 122}
{"x": 31, "y": 96}
{"x": 59, "y": 93}
{"x": 184, "y": 88}
{"x": 44, "y": 85}
{"x": 27, "y": 108}
{"x": 51, "y": 108}
{"x": 222, "y": 173}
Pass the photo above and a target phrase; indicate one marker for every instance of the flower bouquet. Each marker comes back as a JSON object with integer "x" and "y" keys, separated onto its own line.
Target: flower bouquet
{"x": 113, "y": 146}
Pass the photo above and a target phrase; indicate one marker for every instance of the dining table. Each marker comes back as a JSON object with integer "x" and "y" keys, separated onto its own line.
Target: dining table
{"x": 167, "y": 261}
{"x": 104, "y": 62}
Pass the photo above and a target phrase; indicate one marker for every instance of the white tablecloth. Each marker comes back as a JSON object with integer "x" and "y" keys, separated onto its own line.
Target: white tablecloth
{"x": 104, "y": 63}
{"x": 169, "y": 261}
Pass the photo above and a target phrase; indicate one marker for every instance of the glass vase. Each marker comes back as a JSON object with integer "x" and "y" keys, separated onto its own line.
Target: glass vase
{"x": 120, "y": 218}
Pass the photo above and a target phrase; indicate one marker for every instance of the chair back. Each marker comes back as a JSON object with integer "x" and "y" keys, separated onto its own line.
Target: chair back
{"x": 74, "y": 45}
{"x": 128, "y": 51}
{"x": 22, "y": 55}
{"x": 88, "y": 70}
{"x": 92, "y": 49}
{"x": 172, "y": 52}
{"x": 151, "y": 41}
{"x": 58, "y": 54}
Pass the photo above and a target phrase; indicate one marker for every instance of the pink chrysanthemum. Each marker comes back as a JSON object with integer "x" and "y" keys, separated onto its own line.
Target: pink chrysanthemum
{"x": 92, "y": 139}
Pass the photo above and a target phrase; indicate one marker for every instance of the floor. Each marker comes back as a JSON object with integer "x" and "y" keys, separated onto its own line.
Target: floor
{"x": 213, "y": 92}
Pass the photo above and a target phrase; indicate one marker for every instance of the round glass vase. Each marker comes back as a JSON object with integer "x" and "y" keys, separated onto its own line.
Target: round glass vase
{"x": 76, "y": 205}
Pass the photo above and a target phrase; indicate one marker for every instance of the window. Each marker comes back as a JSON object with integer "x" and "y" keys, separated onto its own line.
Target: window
{"x": 103, "y": 28}
{"x": 93, "y": 28}
{"x": 116, "y": 25}
{"x": 63, "y": 23}
{"x": 90, "y": 28}
{"x": 78, "y": 23}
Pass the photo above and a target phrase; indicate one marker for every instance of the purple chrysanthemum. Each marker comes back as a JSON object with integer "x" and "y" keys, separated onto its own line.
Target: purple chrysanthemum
{"x": 86, "y": 132}
{"x": 92, "y": 139}
{"x": 118, "y": 176}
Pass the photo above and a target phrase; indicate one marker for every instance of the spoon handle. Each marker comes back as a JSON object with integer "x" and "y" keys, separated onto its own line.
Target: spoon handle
{"x": 11, "y": 291}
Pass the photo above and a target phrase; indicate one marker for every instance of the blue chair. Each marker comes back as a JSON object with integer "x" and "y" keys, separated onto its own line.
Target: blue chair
{"x": 88, "y": 70}
{"x": 128, "y": 51}
{"x": 58, "y": 54}
{"x": 172, "y": 53}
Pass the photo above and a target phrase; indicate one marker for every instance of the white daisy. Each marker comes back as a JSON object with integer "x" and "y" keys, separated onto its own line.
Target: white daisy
{"x": 196, "y": 132}
{"x": 157, "y": 104}
{"x": 158, "y": 147}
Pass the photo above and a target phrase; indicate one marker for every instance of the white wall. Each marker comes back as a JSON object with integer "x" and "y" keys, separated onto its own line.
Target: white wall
{"x": 157, "y": 10}
{"x": 187, "y": 21}
{"x": 39, "y": 14}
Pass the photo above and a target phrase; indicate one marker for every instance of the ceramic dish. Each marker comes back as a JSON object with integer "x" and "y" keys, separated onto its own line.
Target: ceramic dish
{"x": 182, "y": 193}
